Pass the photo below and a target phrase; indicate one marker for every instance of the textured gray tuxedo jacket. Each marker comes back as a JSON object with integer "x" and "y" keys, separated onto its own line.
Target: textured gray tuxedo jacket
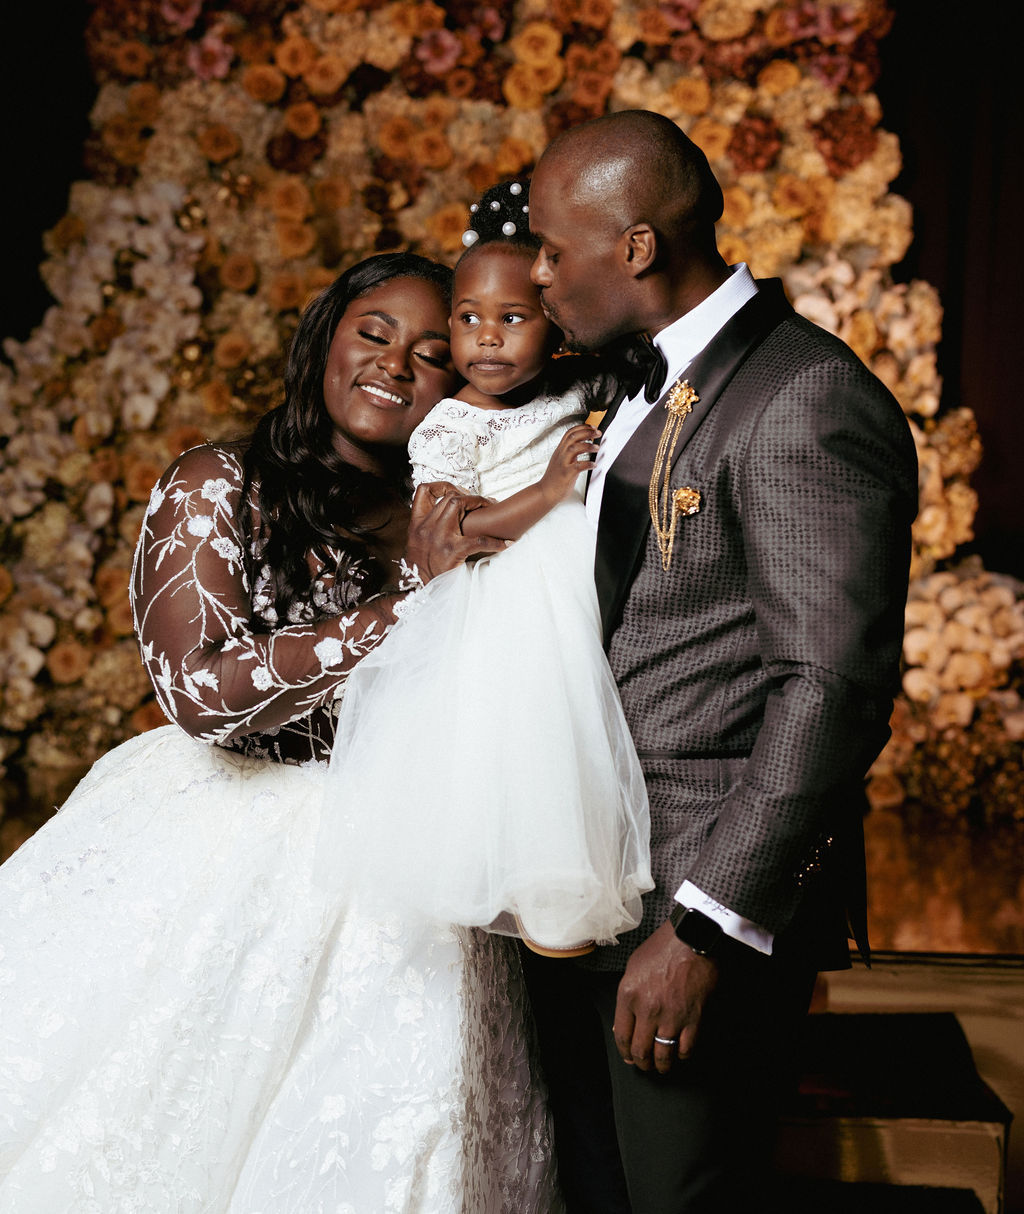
{"x": 757, "y": 673}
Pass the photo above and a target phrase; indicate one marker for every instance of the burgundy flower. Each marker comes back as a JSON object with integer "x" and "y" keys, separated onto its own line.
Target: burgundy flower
{"x": 845, "y": 137}
{"x": 755, "y": 143}
{"x": 438, "y": 50}
{"x": 210, "y": 58}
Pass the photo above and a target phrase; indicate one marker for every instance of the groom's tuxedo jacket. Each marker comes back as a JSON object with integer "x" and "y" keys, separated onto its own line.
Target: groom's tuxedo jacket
{"x": 757, "y": 672}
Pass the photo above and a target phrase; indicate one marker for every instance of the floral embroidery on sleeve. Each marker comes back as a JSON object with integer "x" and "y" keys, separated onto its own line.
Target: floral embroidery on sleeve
{"x": 222, "y": 668}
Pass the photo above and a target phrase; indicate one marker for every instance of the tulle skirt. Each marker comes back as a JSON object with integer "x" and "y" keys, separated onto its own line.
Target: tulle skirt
{"x": 483, "y": 772}
{"x": 188, "y": 1024}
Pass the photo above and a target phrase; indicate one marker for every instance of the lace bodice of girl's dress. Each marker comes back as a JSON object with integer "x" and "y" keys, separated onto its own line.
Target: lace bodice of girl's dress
{"x": 224, "y": 667}
{"x": 493, "y": 452}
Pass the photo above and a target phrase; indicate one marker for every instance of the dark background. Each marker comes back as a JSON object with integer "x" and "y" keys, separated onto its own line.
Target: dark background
{"x": 948, "y": 90}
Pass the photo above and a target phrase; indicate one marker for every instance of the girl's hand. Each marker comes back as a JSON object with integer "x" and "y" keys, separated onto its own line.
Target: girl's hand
{"x": 574, "y": 454}
{"x": 436, "y": 543}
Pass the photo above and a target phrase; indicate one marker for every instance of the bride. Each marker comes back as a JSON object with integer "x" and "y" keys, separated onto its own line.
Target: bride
{"x": 187, "y": 1023}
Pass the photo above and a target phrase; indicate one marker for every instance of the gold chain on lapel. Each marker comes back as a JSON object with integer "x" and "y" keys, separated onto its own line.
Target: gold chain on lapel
{"x": 678, "y": 404}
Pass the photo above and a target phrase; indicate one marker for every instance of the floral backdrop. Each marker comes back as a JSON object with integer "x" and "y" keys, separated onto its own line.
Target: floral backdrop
{"x": 241, "y": 154}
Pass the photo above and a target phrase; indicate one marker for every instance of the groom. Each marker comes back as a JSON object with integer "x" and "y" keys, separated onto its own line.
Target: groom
{"x": 753, "y": 507}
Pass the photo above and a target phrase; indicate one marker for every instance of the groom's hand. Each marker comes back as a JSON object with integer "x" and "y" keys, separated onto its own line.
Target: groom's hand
{"x": 662, "y": 994}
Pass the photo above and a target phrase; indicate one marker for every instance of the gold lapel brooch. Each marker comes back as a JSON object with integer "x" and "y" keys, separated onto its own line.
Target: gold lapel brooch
{"x": 666, "y": 505}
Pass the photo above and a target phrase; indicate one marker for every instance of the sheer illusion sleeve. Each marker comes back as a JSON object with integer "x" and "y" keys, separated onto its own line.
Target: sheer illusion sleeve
{"x": 215, "y": 675}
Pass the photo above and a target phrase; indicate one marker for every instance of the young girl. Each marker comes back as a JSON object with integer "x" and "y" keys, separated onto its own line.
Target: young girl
{"x": 485, "y": 734}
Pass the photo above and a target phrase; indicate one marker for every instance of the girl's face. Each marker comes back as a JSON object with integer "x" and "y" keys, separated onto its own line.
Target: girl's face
{"x": 388, "y": 365}
{"x": 501, "y": 340}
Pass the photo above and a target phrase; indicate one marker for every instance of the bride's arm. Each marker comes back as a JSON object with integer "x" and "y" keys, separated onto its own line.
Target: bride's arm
{"x": 214, "y": 675}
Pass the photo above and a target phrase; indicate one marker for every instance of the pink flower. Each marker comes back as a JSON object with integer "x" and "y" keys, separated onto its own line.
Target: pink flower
{"x": 180, "y": 15}
{"x": 678, "y": 13}
{"x": 438, "y": 51}
{"x": 210, "y": 58}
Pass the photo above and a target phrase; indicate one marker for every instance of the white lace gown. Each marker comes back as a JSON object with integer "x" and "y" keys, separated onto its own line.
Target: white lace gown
{"x": 516, "y": 799}
{"x": 187, "y": 1022}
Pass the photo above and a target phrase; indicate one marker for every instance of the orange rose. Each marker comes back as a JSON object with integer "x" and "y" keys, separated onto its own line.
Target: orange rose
{"x": 513, "y": 154}
{"x": 295, "y": 55}
{"x": 143, "y": 102}
{"x": 777, "y": 27}
{"x": 111, "y": 583}
{"x": 6, "y": 584}
{"x": 237, "y": 272}
{"x": 590, "y": 89}
{"x": 481, "y": 175}
{"x": 431, "y": 149}
{"x": 184, "y": 438}
{"x": 286, "y": 292}
{"x": 326, "y": 76}
{"x": 290, "y": 199}
{"x": 792, "y": 196}
{"x": 122, "y": 137}
{"x": 778, "y": 77}
{"x": 459, "y": 82}
{"x": 302, "y": 119}
{"x": 104, "y": 328}
{"x": 295, "y": 239}
{"x": 219, "y": 143}
{"x": 216, "y": 397}
{"x": 860, "y": 332}
{"x": 438, "y": 111}
{"x": 412, "y": 20}
{"x": 67, "y": 661}
{"x": 395, "y": 138}
{"x": 692, "y": 94}
{"x": 254, "y": 46}
{"x": 537, "y": 43}
{"x": 147, "y": 716}
{"x": 547, "y": 76}
{"x": 132, "y": 58}
{"x": 139, "y": 478}
{"x": 104, "y": 466}
{"x": 738, "y": 205}
{"x": 264, "y": 82}
{"x": 66, "y": 232}
{"x": 595, "y": 13}
{"x": 231, "y": 350}
{"x": 520, "y": 88}
{"x": 711, "y": 137}
{"x": 654, "y": 27}
{"x": 332, "y": 193}
{"x": 733, "y": 248}
{"x": 447, "y": 225}
{"x": 118, "y": 619}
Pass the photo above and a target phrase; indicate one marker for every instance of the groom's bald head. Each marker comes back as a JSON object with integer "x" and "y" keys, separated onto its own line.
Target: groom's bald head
{"x": 625, "y": 208}
{"x": 637, "y": 166}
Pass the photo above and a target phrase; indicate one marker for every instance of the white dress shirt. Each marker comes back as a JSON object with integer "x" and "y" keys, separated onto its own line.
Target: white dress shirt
{"x": 681, "y": 342}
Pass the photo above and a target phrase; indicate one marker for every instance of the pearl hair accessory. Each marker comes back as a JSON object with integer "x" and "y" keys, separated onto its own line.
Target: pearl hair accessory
{"x": 509, "y": 228}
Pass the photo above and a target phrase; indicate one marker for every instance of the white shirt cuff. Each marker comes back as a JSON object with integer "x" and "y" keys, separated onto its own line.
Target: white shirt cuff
{"x": 732, "y": 924}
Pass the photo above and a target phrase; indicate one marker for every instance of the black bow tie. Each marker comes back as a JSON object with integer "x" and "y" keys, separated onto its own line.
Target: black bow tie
{"x": 649, "y": 365}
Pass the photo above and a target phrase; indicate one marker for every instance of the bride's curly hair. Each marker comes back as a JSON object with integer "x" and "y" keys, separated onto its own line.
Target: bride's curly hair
{"x": 304, "y": 492}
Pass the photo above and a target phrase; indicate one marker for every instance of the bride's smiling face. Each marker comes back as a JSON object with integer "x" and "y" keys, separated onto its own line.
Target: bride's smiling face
{"x": 388, "y": 365}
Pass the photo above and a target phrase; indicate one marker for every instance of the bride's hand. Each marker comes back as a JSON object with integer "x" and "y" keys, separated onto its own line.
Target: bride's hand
{"x": 436, "y": 543}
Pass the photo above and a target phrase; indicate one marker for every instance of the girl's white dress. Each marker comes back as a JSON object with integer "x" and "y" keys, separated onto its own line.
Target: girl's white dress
{"x": 188, "y": 1023}
{"x": 515, "y": 798}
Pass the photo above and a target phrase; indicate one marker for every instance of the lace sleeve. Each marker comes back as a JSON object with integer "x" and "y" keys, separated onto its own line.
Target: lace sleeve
{"x": 214, "y": 675}
{"x": 442, "y": 450}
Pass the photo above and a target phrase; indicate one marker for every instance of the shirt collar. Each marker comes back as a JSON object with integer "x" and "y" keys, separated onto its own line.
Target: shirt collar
{"x": 683, "y": 339}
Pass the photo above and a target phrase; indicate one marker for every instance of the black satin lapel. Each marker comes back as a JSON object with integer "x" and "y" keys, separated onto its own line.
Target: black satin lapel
{"x": 625, "y": 511}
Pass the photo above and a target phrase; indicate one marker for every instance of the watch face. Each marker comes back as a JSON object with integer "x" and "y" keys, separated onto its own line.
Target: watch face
{"x": 698, "y": 931}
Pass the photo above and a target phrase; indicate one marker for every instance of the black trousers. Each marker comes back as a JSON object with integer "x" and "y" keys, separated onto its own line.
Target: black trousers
{"x": 697, "y": 1140}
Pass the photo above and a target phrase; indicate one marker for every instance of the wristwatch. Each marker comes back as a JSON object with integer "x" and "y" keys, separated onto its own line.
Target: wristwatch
{"x": 695, "y": 929}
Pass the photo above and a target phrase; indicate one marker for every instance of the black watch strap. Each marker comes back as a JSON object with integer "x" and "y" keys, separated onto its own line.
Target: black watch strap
{"x": 698, "y": 932}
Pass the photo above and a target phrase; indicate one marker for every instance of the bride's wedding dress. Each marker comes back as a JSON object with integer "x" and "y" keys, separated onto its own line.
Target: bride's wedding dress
{"x": 187, "y": 1022}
